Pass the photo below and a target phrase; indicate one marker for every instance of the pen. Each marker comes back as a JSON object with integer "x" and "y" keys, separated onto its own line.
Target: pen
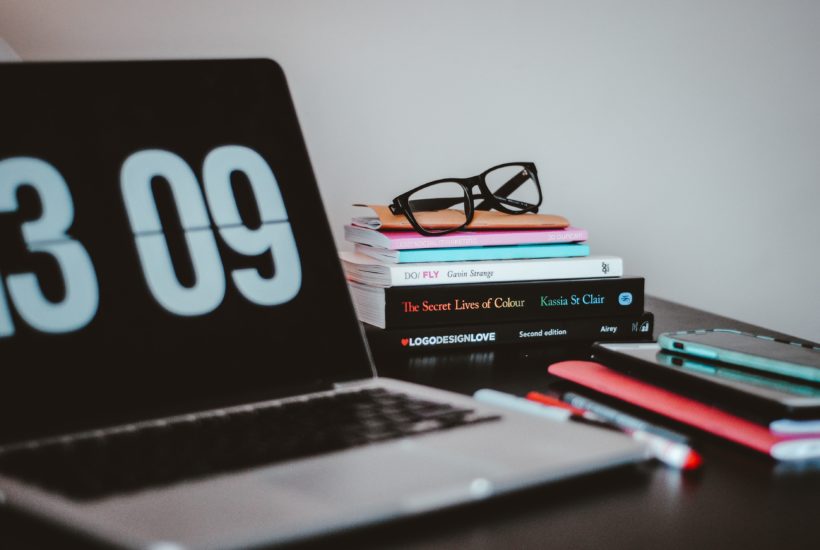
{"x": 672, "y": 453}
{"x": 551, "y": 401}
{"x": 620, "y": 419}
{"x": 665, "y": 445}
{"x": 511, "y": 402}
{"x": 526, "y": 406}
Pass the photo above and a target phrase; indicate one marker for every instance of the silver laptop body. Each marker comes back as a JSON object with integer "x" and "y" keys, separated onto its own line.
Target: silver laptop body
{"x": 166, "y": 298}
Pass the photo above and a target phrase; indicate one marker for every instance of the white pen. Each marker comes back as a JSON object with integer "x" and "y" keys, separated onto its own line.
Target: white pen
{"x": 513, "y": 403}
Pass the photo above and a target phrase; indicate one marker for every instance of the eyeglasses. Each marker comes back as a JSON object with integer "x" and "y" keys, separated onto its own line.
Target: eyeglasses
{"x": 512, "y": 188}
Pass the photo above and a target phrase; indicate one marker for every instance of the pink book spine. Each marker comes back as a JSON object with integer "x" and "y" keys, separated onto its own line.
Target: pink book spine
{"x": 405, "y": 240}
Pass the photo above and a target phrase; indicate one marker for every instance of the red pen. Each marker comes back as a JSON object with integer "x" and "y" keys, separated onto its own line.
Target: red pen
{"x": 554, "y": 402}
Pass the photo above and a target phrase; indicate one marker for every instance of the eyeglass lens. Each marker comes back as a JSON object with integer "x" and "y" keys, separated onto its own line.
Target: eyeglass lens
{"x": 448, "y": 195}
{"x": 512, "y": 182}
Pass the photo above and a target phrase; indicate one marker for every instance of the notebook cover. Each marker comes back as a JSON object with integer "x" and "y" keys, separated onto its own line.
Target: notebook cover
{"x": 688, "y": 411}
{"x": 444, "y": 219}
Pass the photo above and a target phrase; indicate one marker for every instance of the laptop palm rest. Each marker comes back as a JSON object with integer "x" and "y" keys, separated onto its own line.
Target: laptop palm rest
{"x": 305, "y": 496}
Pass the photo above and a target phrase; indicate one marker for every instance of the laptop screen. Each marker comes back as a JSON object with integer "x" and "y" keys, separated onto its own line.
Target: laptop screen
{"x": 163, "y": 245}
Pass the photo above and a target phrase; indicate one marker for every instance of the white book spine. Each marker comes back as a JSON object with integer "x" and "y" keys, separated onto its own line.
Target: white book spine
{"x": 504, "y": 271}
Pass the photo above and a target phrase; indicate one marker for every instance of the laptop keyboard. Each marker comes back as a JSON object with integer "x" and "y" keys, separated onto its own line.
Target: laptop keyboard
{"x": 167, "y": 452}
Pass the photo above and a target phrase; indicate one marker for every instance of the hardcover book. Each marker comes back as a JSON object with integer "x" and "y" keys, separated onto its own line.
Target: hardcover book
{"x": 408, "y": 240}
{"x": 468, "y": 253}
{"x": 362, "y": 269}
{"x": 424, "y": 306}
{"x": 637, "y": 327}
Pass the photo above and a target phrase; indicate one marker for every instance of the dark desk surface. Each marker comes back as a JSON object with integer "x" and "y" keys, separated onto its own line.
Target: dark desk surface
{"x": 739, "y": 499}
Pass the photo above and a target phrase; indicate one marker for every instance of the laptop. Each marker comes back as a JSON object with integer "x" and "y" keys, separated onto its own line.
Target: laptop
{"x": 181, "y": 363}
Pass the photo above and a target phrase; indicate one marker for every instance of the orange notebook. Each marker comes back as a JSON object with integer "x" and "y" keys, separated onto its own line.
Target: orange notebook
{"x": 444, "y": 219}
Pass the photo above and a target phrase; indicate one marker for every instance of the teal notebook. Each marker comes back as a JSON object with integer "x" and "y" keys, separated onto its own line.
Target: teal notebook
{"x": 468, "y": 253}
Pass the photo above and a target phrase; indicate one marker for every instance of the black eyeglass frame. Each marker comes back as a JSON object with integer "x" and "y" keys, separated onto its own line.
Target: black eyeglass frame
{"x": 401, "y": 204}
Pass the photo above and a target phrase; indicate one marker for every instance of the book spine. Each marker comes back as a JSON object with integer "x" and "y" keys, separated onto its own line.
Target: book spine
{"x": 400, "y": 240}
{"x": 445, "y": 305}
{"x": 504, "y": 271}
{"x": 629, "y": 328}
{"x": 489, "y": 239}
{"x": 517, "y": 252}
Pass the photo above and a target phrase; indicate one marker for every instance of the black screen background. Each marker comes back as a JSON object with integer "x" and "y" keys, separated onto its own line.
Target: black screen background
{"x": 135, "y": 359}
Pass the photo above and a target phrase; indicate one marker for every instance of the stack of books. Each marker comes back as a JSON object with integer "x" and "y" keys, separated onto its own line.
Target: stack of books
{"x": 474, "y": 288}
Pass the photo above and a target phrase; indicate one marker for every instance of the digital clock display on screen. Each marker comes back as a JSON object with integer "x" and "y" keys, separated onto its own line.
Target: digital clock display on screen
{"x": 163, "y": 244}
{"x": 47, "y": 234}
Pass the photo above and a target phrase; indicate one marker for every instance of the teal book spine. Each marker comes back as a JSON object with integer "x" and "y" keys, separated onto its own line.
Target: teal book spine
{"x": 519, "y": 252}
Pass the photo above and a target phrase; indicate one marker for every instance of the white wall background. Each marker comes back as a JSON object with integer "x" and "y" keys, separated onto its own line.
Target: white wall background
{"x": 684, "y": 135}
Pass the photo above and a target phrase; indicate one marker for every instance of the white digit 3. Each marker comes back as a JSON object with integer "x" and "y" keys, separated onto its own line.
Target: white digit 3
{"x": 47, "y": 234}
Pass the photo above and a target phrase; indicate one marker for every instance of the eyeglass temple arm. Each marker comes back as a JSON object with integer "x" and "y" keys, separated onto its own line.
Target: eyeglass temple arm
{"x": 504, "y": 191}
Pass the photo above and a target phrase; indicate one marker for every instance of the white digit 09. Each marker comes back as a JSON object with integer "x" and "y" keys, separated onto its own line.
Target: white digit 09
{"x": 273, "y": 236}
{"x": 47, "y": 234}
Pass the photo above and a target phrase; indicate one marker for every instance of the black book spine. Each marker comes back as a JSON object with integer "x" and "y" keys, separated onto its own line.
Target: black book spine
{"x": 422, "y": 306}
{"x": 630, "y": 328}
